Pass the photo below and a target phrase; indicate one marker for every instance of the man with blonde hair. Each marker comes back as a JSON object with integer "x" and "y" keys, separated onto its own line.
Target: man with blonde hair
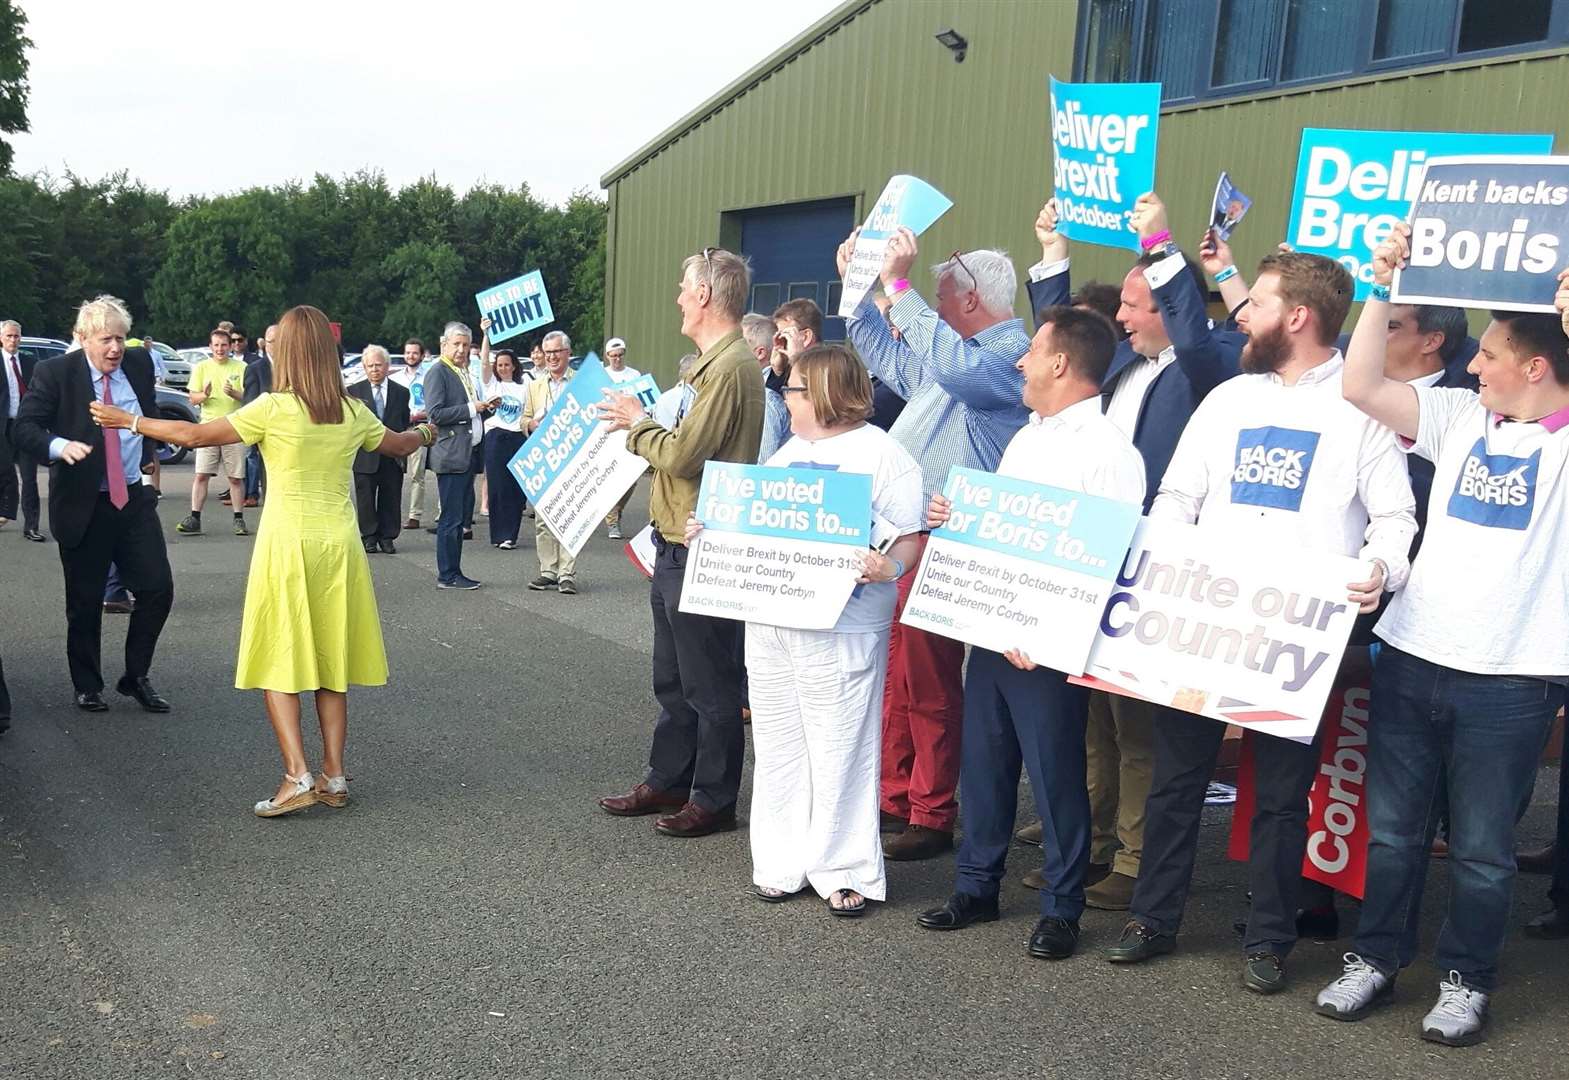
{"x": 218, "y": 387}
{"x": 694, "y": 767}
{"x": 100, "y": 512}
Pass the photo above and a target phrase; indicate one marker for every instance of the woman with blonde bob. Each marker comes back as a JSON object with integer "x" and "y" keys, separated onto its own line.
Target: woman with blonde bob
{"x": 817, "y": 695}
{"x": 310, "y": 620}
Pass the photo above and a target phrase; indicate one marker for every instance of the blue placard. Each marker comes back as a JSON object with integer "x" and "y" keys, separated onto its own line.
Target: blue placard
{"x": 1045, "y": 524}
{"x": 906, "y": 202}
{"x": 1352, "y": 186}
{"x": 563, "y": 430}
{"x": 644, "y": 388}
{"x": 515, "y": 306}
{"x": 794, "y": 504}
{"x": 1488, "y": 232}
{"x": 1103, "y": 139}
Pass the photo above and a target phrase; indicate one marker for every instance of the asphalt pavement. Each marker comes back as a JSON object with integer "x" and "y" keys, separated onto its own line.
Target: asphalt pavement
{"x": 473, "y": 914}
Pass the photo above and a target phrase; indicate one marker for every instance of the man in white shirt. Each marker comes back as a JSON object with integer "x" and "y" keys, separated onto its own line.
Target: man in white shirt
{"x": 616, "y": 368}
{"x": 1014, "y": 711}
{"x": 1476, "y": 649}
{"x": 1278, "y": 456}
{"x": 416, "y": 492}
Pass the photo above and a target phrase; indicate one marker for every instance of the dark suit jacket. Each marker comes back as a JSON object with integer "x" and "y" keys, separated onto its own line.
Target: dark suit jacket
{"x": 7, "y": 436}
{"x": 447, "y": 405}
{"x": 56, "y": 407}
{"x": 1205, "y": 359}
{"x": 258, "y": 380}
{"x": 395, "y": 418}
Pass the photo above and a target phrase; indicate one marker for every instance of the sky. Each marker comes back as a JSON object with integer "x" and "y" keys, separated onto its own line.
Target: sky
{"x": 204, "y": 97}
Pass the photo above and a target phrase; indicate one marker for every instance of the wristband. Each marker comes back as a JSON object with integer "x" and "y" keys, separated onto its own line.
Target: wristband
{"x": 1226, "y": 274}
{"x": 1379, "y": 292}
{"x": 136, "y": 424}
{"x": 898, "y": 569}
{"x": 1155, "y": 241}
{"x": 893, "y": 288}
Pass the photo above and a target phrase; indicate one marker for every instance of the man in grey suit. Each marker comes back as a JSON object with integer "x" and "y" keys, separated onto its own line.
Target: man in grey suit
{"x": 453, "y": 404}
{"x": 378, "y": 480}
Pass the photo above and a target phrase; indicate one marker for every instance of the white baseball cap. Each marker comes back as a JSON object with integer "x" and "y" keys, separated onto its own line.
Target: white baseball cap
{"x": 615, "y": 343}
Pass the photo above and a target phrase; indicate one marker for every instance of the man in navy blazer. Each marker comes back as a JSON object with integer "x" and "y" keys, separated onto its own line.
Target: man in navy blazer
{"x": 1172, "y": 357}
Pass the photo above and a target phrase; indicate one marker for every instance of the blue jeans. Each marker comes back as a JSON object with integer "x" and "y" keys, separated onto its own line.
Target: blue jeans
{"x": 457, "y": 497}
{"x": 1435, "y": 733}
{"x": 253, "y": 473}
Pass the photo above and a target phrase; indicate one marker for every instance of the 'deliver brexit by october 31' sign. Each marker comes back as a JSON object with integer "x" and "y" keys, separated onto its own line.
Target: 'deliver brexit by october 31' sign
{"x": 1103, "y": 157}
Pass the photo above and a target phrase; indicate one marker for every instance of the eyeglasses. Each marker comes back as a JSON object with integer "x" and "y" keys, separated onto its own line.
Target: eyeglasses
{"x": 708, "y": 268}
{"x": 955, "y": 258}
{"x": 792, "y": 389}
{"x": 558, "y": 352}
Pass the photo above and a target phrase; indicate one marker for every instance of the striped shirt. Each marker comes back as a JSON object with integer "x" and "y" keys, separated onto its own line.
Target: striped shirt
{"x": 964, "y": 395}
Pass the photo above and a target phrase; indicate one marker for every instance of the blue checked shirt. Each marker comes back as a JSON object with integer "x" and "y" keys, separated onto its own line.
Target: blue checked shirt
{"x": 776, "y": 422}
{"x": 964, "y": 396}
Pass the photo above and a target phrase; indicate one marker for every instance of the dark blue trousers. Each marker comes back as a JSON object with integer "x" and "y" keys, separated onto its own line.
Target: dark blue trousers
{"x": 1036, "y": 720}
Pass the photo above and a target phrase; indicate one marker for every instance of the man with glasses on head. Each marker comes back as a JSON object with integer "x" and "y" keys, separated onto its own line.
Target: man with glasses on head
{"x": 955, "y": 366}
{"x": 694, "y": 772}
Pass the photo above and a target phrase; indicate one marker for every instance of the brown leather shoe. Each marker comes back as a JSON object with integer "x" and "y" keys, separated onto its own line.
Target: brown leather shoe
{"x": 1536, "y": 860}
{"x": 1030, "y": 835}
{"x": 1034, "y": 879}
{"x": 1114, "y": 892}
{"x": 917, "y": 842}
{"x": 641, "y": 800}
{"x": 693, "y": 820}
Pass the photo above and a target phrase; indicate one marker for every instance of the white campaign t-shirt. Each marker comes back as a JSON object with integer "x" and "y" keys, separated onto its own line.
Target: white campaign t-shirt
{"x": 898, "y": 505}
{"x": 1489, "y": 593}
{"x": 626, "y": 374}
{"x": 509, "y": 414}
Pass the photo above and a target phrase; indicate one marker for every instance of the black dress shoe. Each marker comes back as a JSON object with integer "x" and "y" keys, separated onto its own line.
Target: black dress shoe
{"x": 960, "y": 911}
{"x": 370, "y": 547}
{"x": 1264, "y": 973}
{"x": 893, "y": 823}
{"x": 388, "y": 547}
{"x": 1138, "y": 943}
{"x": 92, "y": 701}
{"x": 34, "y": 535}
{"x": 142, "y": 690}
{"x": 1054, "y": 938}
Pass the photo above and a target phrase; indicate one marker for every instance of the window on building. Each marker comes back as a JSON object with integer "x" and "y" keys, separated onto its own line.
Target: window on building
{"x": 1200, "y": 49}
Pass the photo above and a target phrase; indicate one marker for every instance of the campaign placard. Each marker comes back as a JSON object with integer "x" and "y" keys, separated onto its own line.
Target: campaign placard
{"x": 1020, "y": 566}
{"x": 906, "y": 201}
{"x": 573, "y": 468}
{"x": 515, "y": 306}
{"x": 1228, "y": 208}
{"x": 1207, "y": 622}
{"x": 1352, "y": 186}
{"x": 1103, "y": 147}
{"x": 1488, "y": 232}
{"x": 780, "y": 546}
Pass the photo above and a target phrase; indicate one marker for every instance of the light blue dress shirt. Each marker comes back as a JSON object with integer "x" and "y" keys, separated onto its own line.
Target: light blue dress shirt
{"x": 122, "y": 394}
{"x": 776, "y": 422}
{"x": 964, "y": 397}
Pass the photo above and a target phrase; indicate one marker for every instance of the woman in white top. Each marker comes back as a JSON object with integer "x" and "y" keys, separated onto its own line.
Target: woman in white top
{"x": 503, "y": 436}
{"x": 817, "y": 695}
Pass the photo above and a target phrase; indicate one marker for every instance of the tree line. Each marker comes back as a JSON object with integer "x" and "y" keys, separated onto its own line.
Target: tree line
{"x": 386, "y": 264}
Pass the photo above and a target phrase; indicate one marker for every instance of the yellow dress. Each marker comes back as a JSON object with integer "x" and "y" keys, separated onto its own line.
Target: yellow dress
{"x": 310, "y": 618}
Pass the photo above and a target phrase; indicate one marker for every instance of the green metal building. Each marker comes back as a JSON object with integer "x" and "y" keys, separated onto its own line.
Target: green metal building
{"x": 784, "y": 161}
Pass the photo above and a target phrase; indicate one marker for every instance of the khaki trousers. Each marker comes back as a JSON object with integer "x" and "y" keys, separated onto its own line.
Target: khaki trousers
{"x": 417, "y": 492}
{"x": 553, "y": 558}
{"x": 1120, "y": 758}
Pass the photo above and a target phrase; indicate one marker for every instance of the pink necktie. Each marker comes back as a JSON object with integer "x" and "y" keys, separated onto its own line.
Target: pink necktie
{"x": 113, "y": 462}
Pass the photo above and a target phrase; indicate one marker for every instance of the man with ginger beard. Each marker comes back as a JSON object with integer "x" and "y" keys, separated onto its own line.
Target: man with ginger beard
{"x": 1343, "y": 490}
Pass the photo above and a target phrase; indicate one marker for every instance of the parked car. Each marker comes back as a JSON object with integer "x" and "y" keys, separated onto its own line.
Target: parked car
{"x": 174, "y": 405}
{"x": 176, "y": 369}
{"x": 42, "y": 348}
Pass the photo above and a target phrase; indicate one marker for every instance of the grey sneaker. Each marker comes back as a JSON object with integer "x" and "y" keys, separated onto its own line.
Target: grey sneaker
{"x": 239, "y": 527}
{"x": 191, "y": 526}
{"x": 543, "y": 582}
{"x": 567, "y": 587}
{"x": 1360, "y": 989}
{"x": 1459, "y": 1015}
{"x": 614, "y": 531}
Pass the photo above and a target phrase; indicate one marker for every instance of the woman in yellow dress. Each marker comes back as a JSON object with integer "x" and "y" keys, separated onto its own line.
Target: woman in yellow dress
{"x": 310, "y": 621}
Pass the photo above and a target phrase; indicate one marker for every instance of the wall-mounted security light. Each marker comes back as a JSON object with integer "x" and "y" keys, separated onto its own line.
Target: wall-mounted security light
{"x": 954, "y": 42}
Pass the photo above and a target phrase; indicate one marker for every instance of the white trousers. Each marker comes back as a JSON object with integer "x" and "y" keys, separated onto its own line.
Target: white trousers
{"x": 817, "y": 704}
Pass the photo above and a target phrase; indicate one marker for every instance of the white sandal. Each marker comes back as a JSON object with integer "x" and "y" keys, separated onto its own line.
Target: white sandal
{"x": 336, "y": 793}
{"x": 303, "y": 795}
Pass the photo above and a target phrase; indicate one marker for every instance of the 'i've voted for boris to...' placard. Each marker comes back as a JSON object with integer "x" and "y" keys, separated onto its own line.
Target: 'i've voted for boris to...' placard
{"x": 906, "y": 202}
{"x": 1103, "y": 157}
{"x": 780, "y": 546}
{"x": 1021, "y": 566}
{"x": 1488, "y": 232}
{"x": 573, "y": 468}
{"x": 515, "y": 306}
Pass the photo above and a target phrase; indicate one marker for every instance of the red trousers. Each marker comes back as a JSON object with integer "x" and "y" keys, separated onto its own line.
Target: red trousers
{"x": 923, "y": 714}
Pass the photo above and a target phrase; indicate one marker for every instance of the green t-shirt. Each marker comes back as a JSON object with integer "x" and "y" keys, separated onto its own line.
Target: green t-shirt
{"x": 217, "y": 372}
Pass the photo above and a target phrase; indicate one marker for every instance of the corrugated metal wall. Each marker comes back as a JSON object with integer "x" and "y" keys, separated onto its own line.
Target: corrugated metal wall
{"x": 879, "y": 96}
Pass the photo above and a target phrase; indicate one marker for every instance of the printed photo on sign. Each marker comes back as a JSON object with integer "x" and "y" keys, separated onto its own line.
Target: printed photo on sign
{"x": 1103, "y": 157}
{"x": 779, "y": 546}
{"x": 1488, "y": 232}
{"x": 1229, "y": 208}
{"x": 1020, "y": 566}
{"x": 906, "y": 202}
{"x": 1214, "y": 624}
{"x": 1495, "y": 490}
{"x": 1273, "y": 464}
{"x": 515, "y": 306}
{"x": 1352, "y": 186}
{"x": 573, "y": 469}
